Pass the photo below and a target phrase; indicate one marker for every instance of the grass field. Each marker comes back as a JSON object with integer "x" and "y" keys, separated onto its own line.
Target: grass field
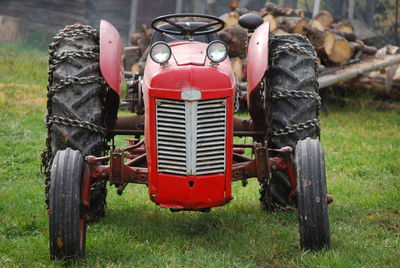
{"x": 363, "y": 167}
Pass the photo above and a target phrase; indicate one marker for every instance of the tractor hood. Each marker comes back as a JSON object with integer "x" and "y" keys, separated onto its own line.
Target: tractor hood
{"x": 189, "y": 67}
{"x": 189, "y": 53}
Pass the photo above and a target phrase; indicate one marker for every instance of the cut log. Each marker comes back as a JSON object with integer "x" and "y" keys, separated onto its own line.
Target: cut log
{"x": 237, "y": 67}
{"x": 134, "y": 39}
{"x": 292, "y": 24}
{"x": 388, "y": 50}
{"x": 12, "y": 29}
{"x": 273, "y": 23}
{"x": 131, "y": 56}
{"x": 331, "y": 48}
{"x": 235, "y": 37}
{"x": 316, "y": 25}
{"x": 351, "y": 37}
{"x": 323, "y": 41}
{"x": 279, "y": 32}
{"x": 271, "y": 8}
{"x": 135, "y": 68}
{"x": 341, "y": 51}
{"x": 230, "y": 18}
{"x": 325, "y": 18}
{"x": 344, "y": 26}
{"x": 233, "y": 4}
{"x": 369, "y": 50}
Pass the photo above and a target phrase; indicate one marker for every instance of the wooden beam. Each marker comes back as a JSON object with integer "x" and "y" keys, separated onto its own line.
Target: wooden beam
{"x": 354, "y": 70}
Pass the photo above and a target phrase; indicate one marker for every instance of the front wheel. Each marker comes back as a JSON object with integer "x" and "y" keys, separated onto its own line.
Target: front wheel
{"x": 311, "y": 195}
{"x": 67, "y": 227}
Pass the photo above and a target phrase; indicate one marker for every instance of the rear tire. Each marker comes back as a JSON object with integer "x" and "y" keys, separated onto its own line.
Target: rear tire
{"x": 293, "y": 90}
{"x": 311, "y": 195}
{"x": 74, "y": 56}
{"x": 67, "y": 227}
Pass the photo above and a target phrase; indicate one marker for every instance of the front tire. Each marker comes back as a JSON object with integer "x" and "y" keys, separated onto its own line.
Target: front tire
{"x": 67, "y": 227}
{"x": 311, "y": 195}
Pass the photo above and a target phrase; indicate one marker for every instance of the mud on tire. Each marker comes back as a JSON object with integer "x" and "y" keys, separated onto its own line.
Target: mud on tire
{"x": 294, "y": 101}
{"x": 77, "y": 92}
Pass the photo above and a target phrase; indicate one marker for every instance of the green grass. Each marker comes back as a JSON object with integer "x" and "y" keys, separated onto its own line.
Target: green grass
{"x": 363, "y": 167}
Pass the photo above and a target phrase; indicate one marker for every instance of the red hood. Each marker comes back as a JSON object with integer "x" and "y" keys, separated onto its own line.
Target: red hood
{"x": 189, "y": 53}
{"x": 190, "y": 68}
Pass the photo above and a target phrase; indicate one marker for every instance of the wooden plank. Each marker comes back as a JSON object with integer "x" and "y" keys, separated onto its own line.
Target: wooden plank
{"x": 354, "y": 70}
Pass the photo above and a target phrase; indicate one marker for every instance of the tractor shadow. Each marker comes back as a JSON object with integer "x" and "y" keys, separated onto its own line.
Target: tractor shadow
{"x": 236, "y": 228}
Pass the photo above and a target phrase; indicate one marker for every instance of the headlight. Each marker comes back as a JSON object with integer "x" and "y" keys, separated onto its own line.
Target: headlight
{"x": 217, "y": 51}
{"x": 160, "y": 52}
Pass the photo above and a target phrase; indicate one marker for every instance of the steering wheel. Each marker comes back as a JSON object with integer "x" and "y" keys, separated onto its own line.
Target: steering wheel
{"x": 182, "y": 29}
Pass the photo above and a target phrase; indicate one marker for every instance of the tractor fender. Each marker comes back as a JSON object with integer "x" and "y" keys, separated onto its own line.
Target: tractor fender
{"x": 110, "y": 56}
{"x": 257, "y": 57}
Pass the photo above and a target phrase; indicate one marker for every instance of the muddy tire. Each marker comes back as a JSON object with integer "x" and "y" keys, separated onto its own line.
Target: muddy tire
{"x": 67, "y": 228}
{"x": 311, "y": 195}
{"x": 294, "y": 101}
{"x": 77, "y": 94}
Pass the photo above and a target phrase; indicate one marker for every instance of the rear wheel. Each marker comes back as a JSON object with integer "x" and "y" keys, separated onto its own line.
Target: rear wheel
{"x": 294, "y": 103}
{"x": 76, "y": 98}
{"x": 311, "y": 195}
{"x": 67, "y": 227}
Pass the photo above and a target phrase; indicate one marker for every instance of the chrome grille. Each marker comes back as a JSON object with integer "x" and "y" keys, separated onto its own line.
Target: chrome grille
{"x": 191, "y": 136}
{"x": 210, "y": 149}
{"x": 171, "y": 136}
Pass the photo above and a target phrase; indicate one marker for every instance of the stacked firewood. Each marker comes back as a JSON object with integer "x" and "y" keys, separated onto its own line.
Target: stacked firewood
{"x": 336, "y": 43}
{"x": 134, "y": 58}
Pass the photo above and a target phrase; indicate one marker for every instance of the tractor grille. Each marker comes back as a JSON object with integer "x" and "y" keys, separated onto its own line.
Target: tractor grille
{"x": 191, "y": 136}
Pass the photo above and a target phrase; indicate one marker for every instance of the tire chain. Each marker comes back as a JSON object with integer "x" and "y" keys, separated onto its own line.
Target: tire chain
{"x": 84, "y": 54}
{"x": 292, "y": 46}
{"x": 75, "y": 123}
{"x": 298, "y": 127}
{"x": 69, "y": 31}
{"x": 297, "y": 94}
{"x": 74, "y": 80}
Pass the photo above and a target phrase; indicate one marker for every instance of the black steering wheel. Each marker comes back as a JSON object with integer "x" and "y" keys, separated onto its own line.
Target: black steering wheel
{"x": 183, "y": 29}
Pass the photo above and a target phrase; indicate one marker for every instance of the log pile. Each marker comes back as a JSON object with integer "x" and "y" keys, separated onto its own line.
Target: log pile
{"x": 335, "y": 43}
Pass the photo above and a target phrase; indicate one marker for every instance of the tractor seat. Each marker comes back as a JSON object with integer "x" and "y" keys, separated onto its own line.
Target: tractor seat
{"x": 206, "y": 38}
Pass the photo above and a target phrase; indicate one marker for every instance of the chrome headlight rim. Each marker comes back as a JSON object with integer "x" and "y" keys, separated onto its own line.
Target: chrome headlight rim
{"x": 158, "y": 44}
{"x": 213, "y": 43}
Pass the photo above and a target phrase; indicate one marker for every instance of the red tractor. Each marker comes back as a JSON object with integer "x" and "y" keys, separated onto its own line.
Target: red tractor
{"x": 182, "y": 146}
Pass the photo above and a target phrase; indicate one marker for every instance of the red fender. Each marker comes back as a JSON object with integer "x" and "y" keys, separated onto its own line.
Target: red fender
{"x": 110, "y": 56}
{"x": 257, "y": 57}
